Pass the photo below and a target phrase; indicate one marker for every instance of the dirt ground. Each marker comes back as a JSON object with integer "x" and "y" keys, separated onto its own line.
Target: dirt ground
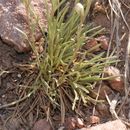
{"x": 11, "y": 76}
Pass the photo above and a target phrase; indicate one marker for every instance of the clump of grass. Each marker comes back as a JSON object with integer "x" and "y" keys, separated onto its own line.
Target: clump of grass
{"x": 66, "y": 71}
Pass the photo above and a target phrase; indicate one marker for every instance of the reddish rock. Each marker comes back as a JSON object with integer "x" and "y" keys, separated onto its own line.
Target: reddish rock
{"x": 90, "y": 44}
{"x": 79, "y": 123}
{"x": 94, "y": 120}
{"x": 39, "y": 7}
{"x": 70, "y": 123}
{"x": 116, "y": 83}
{"x": 103, "y": 40}
{"x": 111, "y": 125}
{"x": 42, "y": 124}
{"x": 13, "y": 15}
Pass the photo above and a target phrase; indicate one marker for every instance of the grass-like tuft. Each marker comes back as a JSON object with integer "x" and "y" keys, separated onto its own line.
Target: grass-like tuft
{"x": 67, "y": 72}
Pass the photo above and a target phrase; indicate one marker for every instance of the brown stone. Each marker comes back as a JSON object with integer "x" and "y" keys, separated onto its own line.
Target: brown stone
{"x": 94, "y": 120}
{"x": 91, "y": 43}
{"x": 70, "y": 123}
{"x": 104, "y": 89}
{"x": 116, "y": 82}
{"x": 103, "y": 110}
{"x": 103, "y": 40}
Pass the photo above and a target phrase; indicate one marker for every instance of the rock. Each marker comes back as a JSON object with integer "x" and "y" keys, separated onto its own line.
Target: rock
{"x": 103, "y": 110}
{"x": 13, "y": 15}
{"x": 42, "y": 124}
{"x": 111, "y": 125}
{"x": 39, "y": 7}
{"x": 94, "y": 120}
{"x": 70, "y": 123}
{"x": 104, "y": 89}
{"x": 99, "y": 8}
{"x": 91, "y": 43}
{"x": 73, "y": 122}
{"x": 116, "y": 83}
{"x": 103, "y": 40}
{"x": 80, "y": 123}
